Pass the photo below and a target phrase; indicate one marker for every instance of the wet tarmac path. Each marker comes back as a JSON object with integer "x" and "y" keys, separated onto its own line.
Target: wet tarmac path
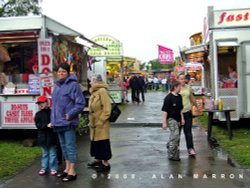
{"x": 140, "y": 158}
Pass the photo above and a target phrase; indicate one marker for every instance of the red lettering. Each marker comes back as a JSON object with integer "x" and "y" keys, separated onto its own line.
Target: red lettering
{"x": 11, "y": 119}
{"x": 222, "y": 17}
{"x": 230, "y": 18}
{"x": 45, "y": 59}
{"x": 246, "y": 16}
{"x": 27, "y": 119}
{"x": 46, "y": 70}
{"x": 44, "y": 43}
{"x": 239, "y": 17}
{"x": 19, "y": 107}
{"x": 12, "y": 113}
{"x": 233, "y": 17}
{"x": 47, "y": 91}
{"x": 27, "y": 113}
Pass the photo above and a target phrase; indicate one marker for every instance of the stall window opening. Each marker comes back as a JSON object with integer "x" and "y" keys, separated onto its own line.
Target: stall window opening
{"x": 23, "y": 62}
{"x": 227, "y": 68}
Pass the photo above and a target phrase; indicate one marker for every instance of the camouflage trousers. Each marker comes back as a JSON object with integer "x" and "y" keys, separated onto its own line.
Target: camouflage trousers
{"x": 174, "y": 139}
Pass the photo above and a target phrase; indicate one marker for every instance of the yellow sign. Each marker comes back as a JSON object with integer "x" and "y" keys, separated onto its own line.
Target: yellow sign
{"x": 114, "y": 47}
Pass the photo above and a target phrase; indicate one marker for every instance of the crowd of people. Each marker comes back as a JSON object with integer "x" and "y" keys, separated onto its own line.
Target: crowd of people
{"x": 57, "y": 126}
{"x": 139, "y": 85}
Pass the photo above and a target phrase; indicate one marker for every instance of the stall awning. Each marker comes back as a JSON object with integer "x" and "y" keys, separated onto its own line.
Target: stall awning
{"x": 22, "y": 28}
{"x": 195, "y": 49}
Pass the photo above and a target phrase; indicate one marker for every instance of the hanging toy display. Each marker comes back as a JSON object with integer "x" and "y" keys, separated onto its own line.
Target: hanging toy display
{"x": 70, "y": 59}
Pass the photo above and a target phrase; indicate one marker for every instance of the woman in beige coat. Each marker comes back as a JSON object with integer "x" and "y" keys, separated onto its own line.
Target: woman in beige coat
{"x": 99, "y": 112}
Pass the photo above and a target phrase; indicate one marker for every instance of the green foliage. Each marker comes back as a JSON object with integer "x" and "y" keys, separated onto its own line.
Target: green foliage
{"x": 155, "y": 65}
{"x": 19, "y": 7}
{"x": 14, "y": 157}
{"x": 239, "y": 147}
{"x": 203, "y": 119}
{"x": 83, "y": 125}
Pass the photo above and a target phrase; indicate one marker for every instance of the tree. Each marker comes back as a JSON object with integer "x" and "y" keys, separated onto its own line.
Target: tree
{"x": 155, "y": 65}
{"x": 19, "y": 7}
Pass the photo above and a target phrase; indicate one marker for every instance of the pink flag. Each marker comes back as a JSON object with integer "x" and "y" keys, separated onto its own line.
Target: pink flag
{"x": 165, "y": 55}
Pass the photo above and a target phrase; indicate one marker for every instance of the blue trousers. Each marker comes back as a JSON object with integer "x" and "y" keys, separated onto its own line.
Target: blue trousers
{"x": 67, "y": 140}
{"x": 49, "y": 158}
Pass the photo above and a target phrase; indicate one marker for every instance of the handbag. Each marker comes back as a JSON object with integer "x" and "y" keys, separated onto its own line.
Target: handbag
{"x": 115, "y": 111}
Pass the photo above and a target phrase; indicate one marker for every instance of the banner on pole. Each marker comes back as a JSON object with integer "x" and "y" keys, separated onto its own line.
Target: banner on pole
{"x": 165, "y": 55}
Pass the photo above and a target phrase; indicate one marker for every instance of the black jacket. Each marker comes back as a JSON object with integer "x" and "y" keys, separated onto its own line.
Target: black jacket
{"x": 134, "y": 82}
{"x": 46, "y": 136}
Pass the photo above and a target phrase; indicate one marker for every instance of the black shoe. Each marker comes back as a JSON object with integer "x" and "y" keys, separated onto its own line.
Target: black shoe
{"x": 95, "y": 164}
{"x": 62, "y": 175}
{"x": 103, "y": 168}
{"x": 69, "y": 178}
{"x": 174, "y": 159}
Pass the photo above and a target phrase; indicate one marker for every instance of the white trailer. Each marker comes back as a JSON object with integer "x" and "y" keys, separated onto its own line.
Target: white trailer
{"x": 52, "y": 43}
{"x": 229, "y": 45}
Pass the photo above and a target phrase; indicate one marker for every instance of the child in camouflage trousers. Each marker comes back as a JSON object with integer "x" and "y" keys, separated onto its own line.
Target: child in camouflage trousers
{"x": 173, "y": 118}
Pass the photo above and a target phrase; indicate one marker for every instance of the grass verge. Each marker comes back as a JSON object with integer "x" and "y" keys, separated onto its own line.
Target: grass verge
{"x": 14, "y": 157}
{"x": 239, "y": 147}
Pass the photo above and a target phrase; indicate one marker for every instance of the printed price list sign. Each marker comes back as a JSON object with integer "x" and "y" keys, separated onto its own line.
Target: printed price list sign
{"x": 16, "y": 114}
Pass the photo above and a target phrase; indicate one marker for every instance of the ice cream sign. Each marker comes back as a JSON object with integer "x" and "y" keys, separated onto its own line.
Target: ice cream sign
{"x": 232, "y": 18}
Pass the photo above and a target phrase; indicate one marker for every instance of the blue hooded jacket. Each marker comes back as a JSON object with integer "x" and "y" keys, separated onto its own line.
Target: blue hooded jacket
{"x": 67, "y": 98}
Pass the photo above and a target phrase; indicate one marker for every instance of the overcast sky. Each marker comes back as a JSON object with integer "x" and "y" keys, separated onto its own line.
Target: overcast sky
{"x": 139, "y": 24}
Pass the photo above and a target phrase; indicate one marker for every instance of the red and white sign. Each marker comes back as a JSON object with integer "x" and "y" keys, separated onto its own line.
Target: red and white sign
{"x": 18, "y": 114}
{"x": 165, "y": 55}
{"x": 45, "y": 66}
{"x": 45, "y": 55}
{"x": 47, "y": 84}
{"x": 232, "y": 18}
{"x": 193, "y": 66}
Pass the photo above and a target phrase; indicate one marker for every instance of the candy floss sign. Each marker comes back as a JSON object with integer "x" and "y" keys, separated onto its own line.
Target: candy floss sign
{"x": 17, "y": 114}
{"x": 45, "y": 65}
{"x": 165, "y": 55}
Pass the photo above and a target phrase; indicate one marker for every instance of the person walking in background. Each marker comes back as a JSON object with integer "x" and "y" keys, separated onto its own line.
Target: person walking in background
{"x": 133, "y": 82}
{"x": 124, "y": 85}
{"x": 188, "y": 101}
{"x": 99, "y": 113}
{"x": 156, "y": 83}
{"x": 164, "y": 84}
{"x": 141, "y": 87}
{"x": 67, "y": 103}
{"x": 46, "y": 137}
{"x": 150, "y": 83}
{"x": 173, "y": 118}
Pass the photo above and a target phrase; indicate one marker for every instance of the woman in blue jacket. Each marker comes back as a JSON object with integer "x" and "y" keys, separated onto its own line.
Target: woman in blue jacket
{"x": 67, "y": 102}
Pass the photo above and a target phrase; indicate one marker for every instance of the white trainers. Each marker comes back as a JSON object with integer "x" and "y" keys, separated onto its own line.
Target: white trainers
{"x": 191, "y": 152}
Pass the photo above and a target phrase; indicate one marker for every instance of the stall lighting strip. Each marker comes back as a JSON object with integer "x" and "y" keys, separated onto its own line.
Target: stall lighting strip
{"x": 18, "y": 37}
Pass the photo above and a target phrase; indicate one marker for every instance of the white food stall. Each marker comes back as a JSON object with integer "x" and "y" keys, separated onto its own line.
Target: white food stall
{"x": 34, "y": 46}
